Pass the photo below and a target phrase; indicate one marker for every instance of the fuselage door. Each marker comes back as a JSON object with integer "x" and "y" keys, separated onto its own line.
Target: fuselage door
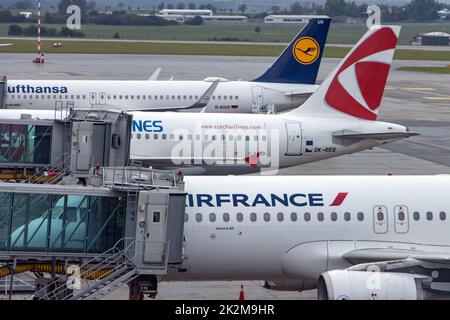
{"x": 401, "y": 219}
{"x": 257, "y": 99}
{"x": 155, "y": 235}
{"x": 380, "y": 219}
{"x": 93, "y": 98}
{"x": 102, "y": 98}
{"x": 294, "y": 139}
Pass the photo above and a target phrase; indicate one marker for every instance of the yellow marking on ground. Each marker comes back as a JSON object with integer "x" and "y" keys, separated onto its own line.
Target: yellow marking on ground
{"x": 420, "y": 89}
{"x": 438, "y": 98}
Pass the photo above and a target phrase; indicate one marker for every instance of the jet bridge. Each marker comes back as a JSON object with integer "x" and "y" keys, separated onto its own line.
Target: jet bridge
{"x": 107, "y": 222}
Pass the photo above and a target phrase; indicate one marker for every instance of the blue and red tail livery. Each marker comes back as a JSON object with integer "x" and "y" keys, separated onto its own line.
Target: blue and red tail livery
{"x": 300, "y": 61}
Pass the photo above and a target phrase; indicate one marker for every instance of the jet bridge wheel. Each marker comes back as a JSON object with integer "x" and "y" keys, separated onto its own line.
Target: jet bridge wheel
{"x": 143, "y": 285}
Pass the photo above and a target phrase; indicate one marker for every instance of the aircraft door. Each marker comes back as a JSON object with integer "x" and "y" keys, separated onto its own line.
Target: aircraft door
{"x": 294, "y": 139}
{"x": 380, "y": 219}
{"x": 155, "y": 234}
{"x": 102, "y": 98}
{"x": 84, "y": 139}
{"x": 258, "y": 99}
{"x": 401, "y": 219}
{"x": 93, "y": 98}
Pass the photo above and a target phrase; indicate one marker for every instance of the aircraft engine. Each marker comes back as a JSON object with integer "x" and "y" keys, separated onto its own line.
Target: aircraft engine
{"x": 366, "y": 285}
{"x": 289, "y": 285}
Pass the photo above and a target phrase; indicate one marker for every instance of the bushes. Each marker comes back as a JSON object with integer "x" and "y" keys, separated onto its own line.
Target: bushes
{"x": 31, "y": 31}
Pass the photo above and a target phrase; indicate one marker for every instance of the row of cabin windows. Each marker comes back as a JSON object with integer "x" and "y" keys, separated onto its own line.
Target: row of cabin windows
{"x": 429, "y": 215}
{"x": 279, "y": 216}
{"x": 120, "y": 97}
{"x": 307, "y": 216}
{"x": 206, "y": 137}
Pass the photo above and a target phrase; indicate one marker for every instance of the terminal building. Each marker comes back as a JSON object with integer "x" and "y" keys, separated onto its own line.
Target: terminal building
{"x": 73, "y": 206}
{"x": 284, "y": 19}
{"x": 184, "y": 15}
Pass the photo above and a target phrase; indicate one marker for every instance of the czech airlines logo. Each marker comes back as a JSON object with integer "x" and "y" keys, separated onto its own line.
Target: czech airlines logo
{"x": 306, "y": 50}
{"x": 357, "y": 87}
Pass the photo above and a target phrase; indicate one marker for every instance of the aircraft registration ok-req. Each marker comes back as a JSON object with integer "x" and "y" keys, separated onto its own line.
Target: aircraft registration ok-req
{"x": 285, "y": 85}
{"x": 339, "y": 118}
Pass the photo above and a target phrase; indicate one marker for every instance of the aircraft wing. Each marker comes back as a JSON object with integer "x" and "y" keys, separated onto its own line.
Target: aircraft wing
{"x": 372, "y": 255}
{"x": 5, "y": 44}
{"x": 155, "y": 74}
{"x": 350, "y": 134}
{"x": 302, "y": 93}
{"x": 200, "y": 103}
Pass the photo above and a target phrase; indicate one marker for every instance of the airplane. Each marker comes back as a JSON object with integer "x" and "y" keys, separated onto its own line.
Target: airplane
{"x": 333, "y": 233}
{"x": 351, "y": 237}
{"x": 285, "y": 85}
{"x": 339, "y": 118}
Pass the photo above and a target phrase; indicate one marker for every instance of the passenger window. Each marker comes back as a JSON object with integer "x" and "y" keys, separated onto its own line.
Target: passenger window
{"x": 429, "y": 215}
{"x": 198, "y": 217}
{"x": 307, "y": 216}
{"x": 347, "y": 216}
{"x": 401, "y": 216}
{"x": 164, "y": 136}
{"x": 380, "y": 216}
{"x": 212, "y": 217}
{"x": 333, "y": 216}
{"x": 138, "y": 136}
{"x": 186, "y": 217}
{"x": 416, "y": 215}
{"x": 239, "y": 217}
{"x": 267, "y": 217}
{"x": 173, "y": 97}
{"x": 226, "y": 217}
{"x": 320, "y": 216}
{"x": 197, "y": 137}
{"x": 293, "y": 216}
{"x": 205, "y": 137}
{"x": 360, "y": 216}
{"x": 442, "y": 215}
{"x": 253, "y": 217}
{"x": 155, "y": 136}
{"x": 179, "y": 97}
{"x": 147, "y": 136}
{"x": 280, "y": 216}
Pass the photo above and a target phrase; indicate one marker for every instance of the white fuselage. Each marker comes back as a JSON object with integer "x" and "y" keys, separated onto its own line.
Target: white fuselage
{"x": 204, "y": 143}
{"x": 229, "y": 96}
{"x": 305, "y": 235}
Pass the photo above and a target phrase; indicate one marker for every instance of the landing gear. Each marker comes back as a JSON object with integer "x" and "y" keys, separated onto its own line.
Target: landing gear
{"x": 143, "y": 285}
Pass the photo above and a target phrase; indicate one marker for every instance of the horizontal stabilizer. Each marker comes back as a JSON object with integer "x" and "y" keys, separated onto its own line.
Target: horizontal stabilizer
{"x": 350, "y": 134}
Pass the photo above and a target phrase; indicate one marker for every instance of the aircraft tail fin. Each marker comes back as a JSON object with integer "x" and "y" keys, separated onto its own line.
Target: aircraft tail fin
{"x": 300, "y": 61}
{"x": 356, "y": 86}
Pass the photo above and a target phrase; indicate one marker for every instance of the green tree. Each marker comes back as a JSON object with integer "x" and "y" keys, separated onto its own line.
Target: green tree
{"x": 64, "y": 4}
{"x": 297, "y": 8}
{"x": 335, "y": 7}
{"x": 275, "y": 9}
{"x": 423, "y": 10}
{"x": 192, "y": 6}
{"x": 196, "y": 21}
{"x": 181, "y": 6}
{"x": 15, "y": 30}
{"x": 242, "y": 8}
{"x": 257, "y": 30}
{"x": 161, "y": 6}
{"x": 23, "y": 4}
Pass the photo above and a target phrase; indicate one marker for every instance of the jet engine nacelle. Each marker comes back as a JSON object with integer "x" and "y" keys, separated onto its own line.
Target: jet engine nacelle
{"x": 365, "y": 285}
{"x": 289, "y": 285}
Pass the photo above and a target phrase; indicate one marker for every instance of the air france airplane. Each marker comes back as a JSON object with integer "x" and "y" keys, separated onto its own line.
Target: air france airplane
{"x": 299, "y": 233}
{"x": 285, "y": 85}
{"x": 339, "y": 118}
{"x": 352, "y": 237}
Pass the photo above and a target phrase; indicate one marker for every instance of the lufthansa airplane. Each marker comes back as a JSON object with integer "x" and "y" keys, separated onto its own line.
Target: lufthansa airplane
{"x": 339, "y": 118}
{"x": 352, "y": 237}
{"x": 285, "y": 85}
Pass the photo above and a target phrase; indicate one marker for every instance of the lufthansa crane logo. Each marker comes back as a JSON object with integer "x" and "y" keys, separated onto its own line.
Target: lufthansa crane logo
{"x": 306, "y": 50}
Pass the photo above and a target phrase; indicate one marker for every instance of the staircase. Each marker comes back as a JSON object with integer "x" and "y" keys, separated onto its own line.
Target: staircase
{"x": 102, "y": 274}
{"x": 53, "y": 173}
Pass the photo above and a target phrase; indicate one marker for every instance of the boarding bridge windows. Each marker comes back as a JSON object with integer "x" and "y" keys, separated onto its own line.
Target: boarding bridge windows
{"x": 60, "y": 223}
{"x": 25, "y": 143}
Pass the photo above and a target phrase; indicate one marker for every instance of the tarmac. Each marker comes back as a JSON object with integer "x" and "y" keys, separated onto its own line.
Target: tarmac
{"x": 419, "y": 100}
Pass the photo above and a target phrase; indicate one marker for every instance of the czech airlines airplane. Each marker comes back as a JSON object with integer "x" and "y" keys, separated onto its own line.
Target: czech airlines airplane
{"x": 339, "y": 118}
{"x": 285, "y": 85}
{"x": 300, "y": 233}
